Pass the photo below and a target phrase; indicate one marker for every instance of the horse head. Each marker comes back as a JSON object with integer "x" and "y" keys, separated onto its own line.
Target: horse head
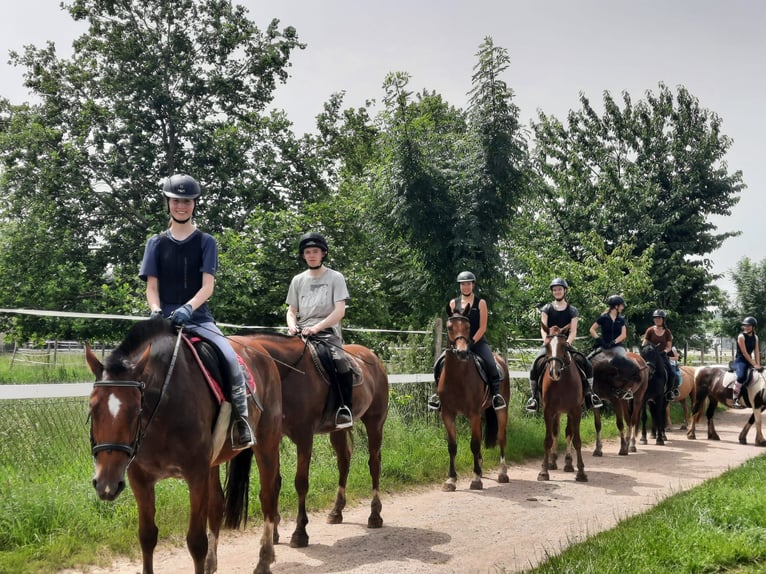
{"x": 459, "y": 331}
{"x": 115, "y": 412}
{"x": 557, "y": 355}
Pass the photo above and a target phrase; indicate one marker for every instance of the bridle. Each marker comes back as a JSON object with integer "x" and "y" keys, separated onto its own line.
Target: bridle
{"x": 563, "y": 362}
{"x": 132, "y": 449}
{"x": 467, "y": 339}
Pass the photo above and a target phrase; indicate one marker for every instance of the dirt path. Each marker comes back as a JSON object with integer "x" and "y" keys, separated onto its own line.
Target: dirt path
{"x": 503, "y": 528}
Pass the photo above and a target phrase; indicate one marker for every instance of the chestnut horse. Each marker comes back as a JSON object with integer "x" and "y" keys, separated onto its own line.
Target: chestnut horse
{"x": 461, "y": 389}
{"x": 714, "y": 384}
{"x": 153, "y": 415}
{"x": 686, "y": 390}
{"x": 622, "y": 381}
{"x": 562, "y": 393}
{"x": 305, "y": 392}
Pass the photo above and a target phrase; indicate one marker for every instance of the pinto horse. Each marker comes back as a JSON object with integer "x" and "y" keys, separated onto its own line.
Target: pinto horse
{"x": 655, "y": 399}
{"x": 714, "y": 384}
{"x": 461, "y": 389}
{"x": 305, "y": 391}
{"x": 153, "y": 416}
{"x": 562, "y": 393}
{"x": 622, "y": 381}
{"x": 686, "y": 393}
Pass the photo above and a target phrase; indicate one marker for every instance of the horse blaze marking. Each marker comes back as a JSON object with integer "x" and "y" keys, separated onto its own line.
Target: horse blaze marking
{"x": 114, "y": 405}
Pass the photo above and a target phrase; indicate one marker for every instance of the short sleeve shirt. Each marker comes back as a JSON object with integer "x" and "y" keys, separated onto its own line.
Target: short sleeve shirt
{"x": 561, "y": 318}
{"x": 315, "y": 297}
{"x": 611, "y": 329}
{"x": 661, "y": 342}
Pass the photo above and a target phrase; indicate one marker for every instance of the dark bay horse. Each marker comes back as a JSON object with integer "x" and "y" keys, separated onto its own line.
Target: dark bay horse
{"x": 714, "y": 385}
{"x": 461, "y": 389}
{"x": 686, "y": 394}
{"x": 655, "y": 399}
{"x": 562, "y": 393}
{"x": 622, "y": 381}
{"x": 153, "y": 415}
{"x": 305, "y": 392}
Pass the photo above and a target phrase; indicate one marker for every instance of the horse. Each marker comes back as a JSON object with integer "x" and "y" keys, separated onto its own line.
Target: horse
{"x": 462, "y": 390}
{"x": 714, "y": 384}
{"x": 655, "y": 399}
{"x": 622, "y": 381}
{"x": 305, "y": 392}
{"x": 562, "y": 393}
{"x": 686, "y": 390}
{"x": 153, "y": 415}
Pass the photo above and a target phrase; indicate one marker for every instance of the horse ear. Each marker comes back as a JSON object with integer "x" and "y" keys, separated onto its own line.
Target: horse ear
{"x": 142, "y": 362}
{"x": 94, "y": 364}
{"x": 467, "y": 310}
{"x": 565, "y": 329}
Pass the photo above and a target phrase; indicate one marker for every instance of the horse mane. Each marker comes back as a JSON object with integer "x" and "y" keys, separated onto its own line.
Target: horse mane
{"x": 136, "y": 339}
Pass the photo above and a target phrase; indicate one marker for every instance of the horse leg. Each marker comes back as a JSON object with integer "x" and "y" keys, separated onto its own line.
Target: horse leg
{"x": 143, "y": 491}
{"x": 759, "y": 440}
{"x": 196, "y": 534}
{"x": 502, "y": 423}
{"x": 573, "y": 427}
{"x": 711, "y": 433}
{"x": 304, "y": 446}
{"x": 375, "y": 446}
{"x": 597, "y": 423}
{"x": 685, "y": 407}
{"x": 214, "y": 518}
{"x": 267, "y": 459}
{"x": 449, "y": 424}
{"x": 746, "y": 429}
{"x": 554, "y": 453}
{"x": 549, "y": 439}
{"x": 658, "y": 420}
{"x": 568, "y": 466}
{"x": 476, "y": 483}
{"x": 643, "y": 424}
{"x": 342, "y": 447}
{"x": 619, "y": 417}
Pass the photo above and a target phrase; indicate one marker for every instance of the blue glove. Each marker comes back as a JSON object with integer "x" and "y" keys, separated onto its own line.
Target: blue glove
{"x": 156, "y": 314}
{"x": 182, "y": 315}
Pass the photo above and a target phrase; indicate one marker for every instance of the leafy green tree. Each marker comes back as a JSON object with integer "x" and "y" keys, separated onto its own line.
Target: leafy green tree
{"x": 646, "y": 175}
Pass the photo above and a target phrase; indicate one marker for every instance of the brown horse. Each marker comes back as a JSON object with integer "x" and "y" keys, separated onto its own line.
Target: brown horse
{"x": 714, "y": 384}
{"x": 622, "y": 381}
{"x": 686, "y": 393}
{"x": 562, "y": 393}
{"x": 461, "y": 389}
{"x": 305, "y": 392}
{"x": 153, "y": 415}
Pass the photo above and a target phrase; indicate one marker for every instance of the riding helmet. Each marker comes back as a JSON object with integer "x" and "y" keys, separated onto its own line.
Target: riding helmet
{"x": 181, "y": 186}
{"x": 312, "y": 239}
{"x": 659, "y": 313}
{"x": 466, "y": 276}
{"x": 750, "y": 321}
{"x": 559, "y": 282}
{"x": 615, "y": 300}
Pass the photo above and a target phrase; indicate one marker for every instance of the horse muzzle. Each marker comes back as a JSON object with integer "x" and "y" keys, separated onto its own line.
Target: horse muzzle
{"x": 109, "y": 479}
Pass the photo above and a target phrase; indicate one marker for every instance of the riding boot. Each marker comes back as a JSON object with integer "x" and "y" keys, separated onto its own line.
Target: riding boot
{"x": 532, "y": 406}
{"x": 343, "y": 417}
{"x": 498, "y": 402}
{"x": 244, "y": 437}
{"x": 592, "y": 400}
{"x": 434, "y": 402}
{"x": 735, "y": 395}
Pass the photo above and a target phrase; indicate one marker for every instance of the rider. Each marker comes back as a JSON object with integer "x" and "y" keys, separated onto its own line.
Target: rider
{"x": 560, "y": 313}
{"x": 661, "y": 337}
{"x": 179, "y": 267}
{"x": 478, "y": 317}
{"x": 316, "y": 303}
{"x": 748, "y": 356}
{"x": 614, "y": 330}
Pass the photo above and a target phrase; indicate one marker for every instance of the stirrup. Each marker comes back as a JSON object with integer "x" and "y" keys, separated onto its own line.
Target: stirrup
{"x": 498, "y": 402}
{"x": 595, "y": 401}
{"x": 242, "y": 444}
{"x": 434, "y": 403}
{"x": 343, "y": 419}
{"x": 531, "y": 406}
{"x": 627, "y": 395}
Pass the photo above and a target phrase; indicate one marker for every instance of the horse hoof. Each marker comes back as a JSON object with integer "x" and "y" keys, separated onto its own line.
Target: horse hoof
{"x": 476, "y": 485}
{"x": 581, "y": 477}
{"x": 503, "y": 479}
{"x": 448, "y": 487}
{"x": 598, "y": 453}
{"x": 543, "y": 476}
{"x": 743, "y": 441}
{"x": 660, "y": 442}
{"x": 299, "y": 541}
{"x": 642, "y": 441}
{"x": 374, "y": 522}
{"x": 569, "y": 468}
{"x": 633, "y": 449}
{"x": 335, "y": 518}
{"x": 691, "y": 436}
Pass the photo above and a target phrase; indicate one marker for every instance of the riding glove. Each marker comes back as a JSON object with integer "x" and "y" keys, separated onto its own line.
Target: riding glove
{"x": 182, "y": 315}
{"x": 156, "y": 314}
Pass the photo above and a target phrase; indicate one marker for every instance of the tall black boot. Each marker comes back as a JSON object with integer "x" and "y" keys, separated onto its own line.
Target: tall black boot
{"x": 532, "y": 406}
{"x": 343, "y": 417}
{"x": 498, "y": 402}
{"x": 244, "y": 438}
{"x": 592, "y": 400}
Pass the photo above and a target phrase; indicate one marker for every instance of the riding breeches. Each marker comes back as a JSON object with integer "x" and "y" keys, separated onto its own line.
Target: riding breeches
{"x": 742, "y": 368}
{"x": 212, "y": 334}
{"x": 481, "y": 349}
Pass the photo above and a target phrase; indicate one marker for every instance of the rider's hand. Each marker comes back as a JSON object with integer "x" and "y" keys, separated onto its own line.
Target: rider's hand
{"x": 156, "y": 314}
{"x": 293, "y": 331}
{"x": 759, "y": 369}
{"x": 182, "y": 315}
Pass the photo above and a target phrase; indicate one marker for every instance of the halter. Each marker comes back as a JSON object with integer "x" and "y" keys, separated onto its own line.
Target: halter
{"x": 132, "y": 449}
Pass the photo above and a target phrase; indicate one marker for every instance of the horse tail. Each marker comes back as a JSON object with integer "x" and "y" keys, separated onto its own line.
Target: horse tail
{"x": 237, "y": 489}
{"x": 490, "y": 428}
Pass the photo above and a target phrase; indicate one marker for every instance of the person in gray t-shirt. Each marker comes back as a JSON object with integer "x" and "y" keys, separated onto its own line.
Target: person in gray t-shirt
{"x": 316, "y": 303}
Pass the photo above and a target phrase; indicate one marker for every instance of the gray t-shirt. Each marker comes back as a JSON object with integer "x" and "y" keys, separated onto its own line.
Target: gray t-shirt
{"x": 315, "y": 297}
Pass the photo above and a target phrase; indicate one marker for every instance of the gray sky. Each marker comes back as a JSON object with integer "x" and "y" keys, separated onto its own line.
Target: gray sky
{"x": 558, "y": 48}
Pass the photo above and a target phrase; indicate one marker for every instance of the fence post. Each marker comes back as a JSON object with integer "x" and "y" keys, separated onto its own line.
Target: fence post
{"x": 437, "y": 338}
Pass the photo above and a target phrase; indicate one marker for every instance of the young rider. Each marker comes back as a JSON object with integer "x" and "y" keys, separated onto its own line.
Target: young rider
{"x": 559, "y": 313}
{"x": 179, "y": 268}
{"x": 661, "y": 337}
{"x": 748, "y": 356}
{"x": 613, "y": 328}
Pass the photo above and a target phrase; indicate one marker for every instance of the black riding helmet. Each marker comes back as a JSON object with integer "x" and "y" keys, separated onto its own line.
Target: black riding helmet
{"x": 312, "y": 239}
{"x": 559, "y": 282}
{"x": 615, "y": 300}
{"x": 181, "y": 186}
{"x": 465, "y": 277}
{"x": 659, "y": 313}
{"x": 750, "y": 321}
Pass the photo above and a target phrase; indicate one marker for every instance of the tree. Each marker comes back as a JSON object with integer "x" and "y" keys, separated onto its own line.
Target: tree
{"x": 646, "y": 175}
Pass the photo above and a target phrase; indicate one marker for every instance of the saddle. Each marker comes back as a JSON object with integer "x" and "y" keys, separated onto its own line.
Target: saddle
{"x": 321, "y": 357}
{"x": 481, "y": 367}
{"x": 211, "y": 364}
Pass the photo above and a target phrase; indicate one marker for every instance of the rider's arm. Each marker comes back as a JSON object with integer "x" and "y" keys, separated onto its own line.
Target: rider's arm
{"x": 623, "y": 335}
{"x": 757, "y": 352}
{"x": 204, "y": 293}
{"x": 292, "y": 320}
{"x": 335, "y": 317}
{"x": 572, "y": 330}
{"x": 153, "y": 293}
{"x": 593, "y": 332}
{"x": 543, "y": 323}
{"x": 743, "y": 349}
{"x": 482, "y": 321}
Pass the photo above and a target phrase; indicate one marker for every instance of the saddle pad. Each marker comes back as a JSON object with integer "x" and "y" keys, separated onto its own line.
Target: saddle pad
{"x": 215, "y": 386}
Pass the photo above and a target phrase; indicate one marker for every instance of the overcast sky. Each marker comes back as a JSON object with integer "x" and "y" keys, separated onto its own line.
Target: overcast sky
{"x": 559, "y": 48}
